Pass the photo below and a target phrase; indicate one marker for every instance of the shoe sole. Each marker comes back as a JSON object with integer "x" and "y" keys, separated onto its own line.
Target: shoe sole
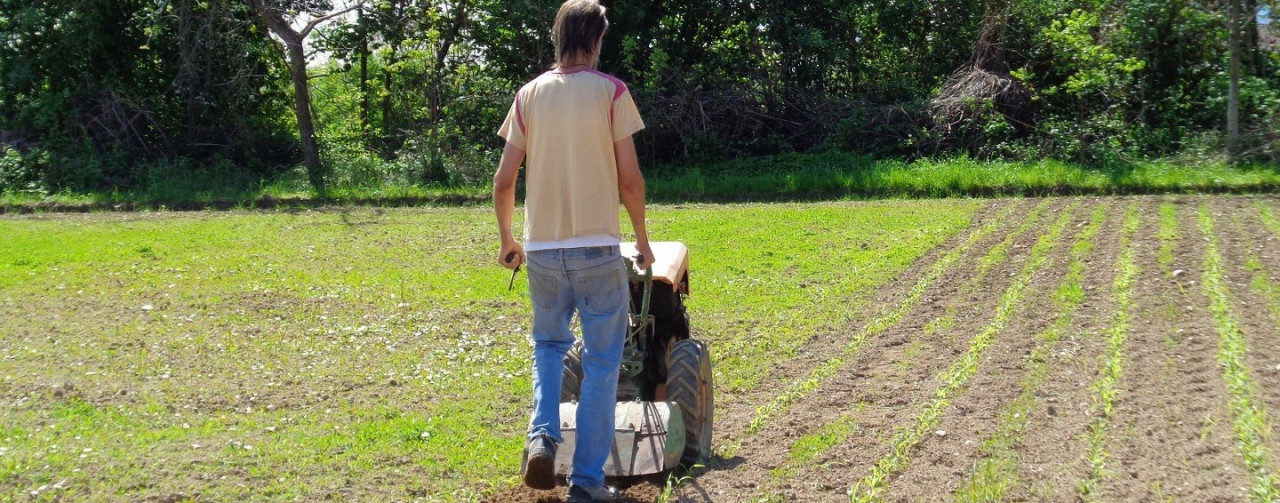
{"x": 540, "y": 473}
{"x": 580, "y": 498}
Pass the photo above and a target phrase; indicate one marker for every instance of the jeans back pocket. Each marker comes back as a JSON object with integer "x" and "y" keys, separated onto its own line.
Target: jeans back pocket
{"x": 603, "y": 287}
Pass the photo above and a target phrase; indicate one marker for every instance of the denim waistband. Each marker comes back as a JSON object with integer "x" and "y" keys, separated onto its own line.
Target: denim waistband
{"x": 586, "y": 253}
{"x": 573, "y": 259}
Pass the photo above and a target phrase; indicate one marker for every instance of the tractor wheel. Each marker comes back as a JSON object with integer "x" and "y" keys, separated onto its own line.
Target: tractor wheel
{"x": 689, "y": 384}
{"x": 571, "y": 386}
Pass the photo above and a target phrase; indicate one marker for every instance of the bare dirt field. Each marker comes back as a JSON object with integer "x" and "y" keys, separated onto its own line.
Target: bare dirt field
{"x": 1076, "y": 349}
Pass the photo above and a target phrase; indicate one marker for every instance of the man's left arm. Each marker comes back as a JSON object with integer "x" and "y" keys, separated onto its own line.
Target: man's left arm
{"x": 631, "y": 189}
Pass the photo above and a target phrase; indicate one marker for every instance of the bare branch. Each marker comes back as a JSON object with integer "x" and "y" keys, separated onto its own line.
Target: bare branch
{"x": 316, "y": 22}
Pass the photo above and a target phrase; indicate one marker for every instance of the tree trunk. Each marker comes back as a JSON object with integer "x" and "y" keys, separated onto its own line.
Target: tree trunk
{"x": 389, "y": 144}
{"x": 1254, "y": 58}
{"x": 364, "y": 75}
{"x": 1233, "y": 94}
{"x": 302, "y": 109}
{"x": 297, "y": 60}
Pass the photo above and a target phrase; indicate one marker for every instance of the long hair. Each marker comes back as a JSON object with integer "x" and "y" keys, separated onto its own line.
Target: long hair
{"x": 579, "y": 25}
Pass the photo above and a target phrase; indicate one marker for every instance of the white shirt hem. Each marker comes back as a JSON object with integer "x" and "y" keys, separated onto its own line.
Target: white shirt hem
{"x": 574, "y": 242}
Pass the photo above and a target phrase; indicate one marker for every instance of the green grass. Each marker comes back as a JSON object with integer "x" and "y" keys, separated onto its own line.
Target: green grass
{"x": 358, "y": 353}
{"x": 1106, "y": 387}
{"x": 785, "y": 177}
{"x": 872, "y": 487}
{"x": 1249, "y": 416}
{"x": 341, "y": 339}
{"x": 842, "y": 174}
{"x": 181, "y": 194}
{"x": 997, "y": 470}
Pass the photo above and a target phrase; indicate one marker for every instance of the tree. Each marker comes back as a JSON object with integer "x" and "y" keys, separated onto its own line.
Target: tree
{"x": 115, "y": 89}
{"x": 277, "y": 16}
{"x": 1233, "y": 100}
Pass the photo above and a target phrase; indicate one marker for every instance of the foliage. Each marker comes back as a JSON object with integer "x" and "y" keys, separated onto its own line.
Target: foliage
{"x": 110, "y": 89}
{"x": 21, "y": 172}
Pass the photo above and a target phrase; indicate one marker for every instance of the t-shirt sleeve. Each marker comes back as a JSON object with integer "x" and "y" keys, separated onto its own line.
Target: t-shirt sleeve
{"x": 626, "y": 119}
{"x": 513, "y": 127}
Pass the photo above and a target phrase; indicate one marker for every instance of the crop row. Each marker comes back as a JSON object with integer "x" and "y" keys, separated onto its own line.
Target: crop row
{"x": 996, "y": 471}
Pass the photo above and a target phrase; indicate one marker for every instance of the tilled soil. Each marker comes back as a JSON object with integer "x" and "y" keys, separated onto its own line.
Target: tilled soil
{"x": 1052, "y": 445}
{"x": 1243, "y": 236}
{"x": 889, "y": 381}
{"x": 1171, "y": 436}
{"x": 1168, "y": 437}
{"x": 944, "y": 463}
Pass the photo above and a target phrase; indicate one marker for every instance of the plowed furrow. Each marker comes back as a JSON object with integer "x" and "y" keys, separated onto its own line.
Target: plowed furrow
{"x": 1249, "y": 415}
{"x": 972, "y": 454}
{"x": 899, "y": 375}
{"x": 735, "y": 415}
{"x": 1043, "y": 462}
{"x": 1106, "y": 386}
{"x": 1167, "y": 438}
{"x": 866, "y": 372}
{"x": 801, "y": 388}
{"x": 873, "y": 486}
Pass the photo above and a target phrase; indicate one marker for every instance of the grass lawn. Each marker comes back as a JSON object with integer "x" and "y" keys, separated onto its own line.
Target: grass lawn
{"x": 817, "y": 176}
{"x": 362, "y": 353}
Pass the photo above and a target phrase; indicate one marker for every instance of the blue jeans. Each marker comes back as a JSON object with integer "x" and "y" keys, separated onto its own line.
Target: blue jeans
{"x": 593, "y": 282}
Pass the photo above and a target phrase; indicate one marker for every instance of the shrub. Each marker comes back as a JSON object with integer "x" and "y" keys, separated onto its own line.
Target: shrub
{"x": 21, "y": 172}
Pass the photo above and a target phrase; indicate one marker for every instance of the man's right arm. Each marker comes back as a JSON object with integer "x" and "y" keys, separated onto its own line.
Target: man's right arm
{"x": 504, "y": 203}
{"x": 631, "y": 189}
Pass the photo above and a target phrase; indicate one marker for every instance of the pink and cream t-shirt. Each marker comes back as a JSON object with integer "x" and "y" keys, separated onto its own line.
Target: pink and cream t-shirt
{"x": 567, "y": 123}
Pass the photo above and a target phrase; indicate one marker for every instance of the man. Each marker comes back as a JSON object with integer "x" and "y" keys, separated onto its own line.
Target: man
{"x": 572, "y": 128}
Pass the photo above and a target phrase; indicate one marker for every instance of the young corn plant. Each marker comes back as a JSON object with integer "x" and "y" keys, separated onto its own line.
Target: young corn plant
{"x": 1249, "y": 416}
{"x": 801, "y": 389}
{"x": 1000, "y": 252}
{"x": 1106, "y": 386}
{"x": 873, "y": 486}
{"x": 995, "y": 255}
{"x": 1259, "y": 279}
{"x": 675, "y": 481}
{"x": 997, "y": 472}
{"x": 1168, "y": 235}
{"x": 1269, "y": 218}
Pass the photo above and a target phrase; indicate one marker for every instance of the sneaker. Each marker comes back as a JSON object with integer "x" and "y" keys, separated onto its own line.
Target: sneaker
{"x": 583, "y": 494}
{"x": 539, "y": 467}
